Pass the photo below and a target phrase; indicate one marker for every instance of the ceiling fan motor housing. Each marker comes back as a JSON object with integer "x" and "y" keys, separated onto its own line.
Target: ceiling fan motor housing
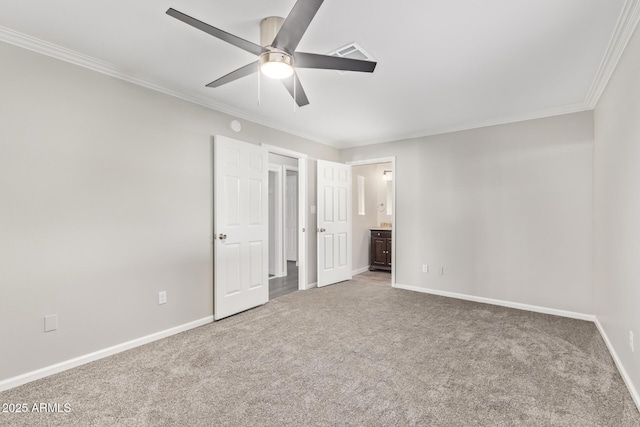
{"x": 269, "y": 28}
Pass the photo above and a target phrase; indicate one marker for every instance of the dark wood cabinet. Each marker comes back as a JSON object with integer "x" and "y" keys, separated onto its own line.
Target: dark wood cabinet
{"x": 380, "y": 250}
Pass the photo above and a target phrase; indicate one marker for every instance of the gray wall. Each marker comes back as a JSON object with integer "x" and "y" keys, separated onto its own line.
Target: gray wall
{"x": 277, "y": 159}
{"x": 105, "y": 192}
{"x": 506, "y": 210}
{"x": 617, "y": 209}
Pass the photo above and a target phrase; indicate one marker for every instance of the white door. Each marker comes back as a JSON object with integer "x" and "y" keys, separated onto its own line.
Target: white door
{"x": 334, "y": 222}
{"x": 291, "y": 217}
{"x": 240, "y": 225}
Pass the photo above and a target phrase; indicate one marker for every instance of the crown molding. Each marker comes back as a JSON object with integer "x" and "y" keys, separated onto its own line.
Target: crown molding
{"x": 541, "y": 114}
{"x": 626, "y": 25}
{"x": 58, "y": 52}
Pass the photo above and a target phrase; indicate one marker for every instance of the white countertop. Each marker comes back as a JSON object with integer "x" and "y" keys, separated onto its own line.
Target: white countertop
{"x": 381, "y": 228}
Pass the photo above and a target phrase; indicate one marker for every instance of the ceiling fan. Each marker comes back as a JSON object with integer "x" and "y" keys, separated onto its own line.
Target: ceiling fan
{"x": 278, "y": 57}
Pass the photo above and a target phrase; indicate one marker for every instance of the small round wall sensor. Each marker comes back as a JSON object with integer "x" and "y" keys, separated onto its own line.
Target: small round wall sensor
{"x": 236, "y": 126}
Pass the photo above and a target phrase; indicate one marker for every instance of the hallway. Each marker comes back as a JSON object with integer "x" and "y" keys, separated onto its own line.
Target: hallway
{"x": 280, "y": 286}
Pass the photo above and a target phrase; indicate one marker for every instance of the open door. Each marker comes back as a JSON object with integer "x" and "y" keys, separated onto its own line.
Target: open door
{"x": 240, "y": 225}
{"x": 334, "y": 222}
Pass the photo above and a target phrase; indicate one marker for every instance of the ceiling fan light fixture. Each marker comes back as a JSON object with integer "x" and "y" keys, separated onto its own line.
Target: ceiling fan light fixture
{"x": 276, "y": 65}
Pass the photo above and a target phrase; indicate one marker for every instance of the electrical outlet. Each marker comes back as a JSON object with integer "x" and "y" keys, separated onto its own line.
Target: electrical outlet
{"x": 50, "y": 322}
{"x": 425, "y": 268}
{"x": 162, "y": 297}
{"x": 631, "y": 341}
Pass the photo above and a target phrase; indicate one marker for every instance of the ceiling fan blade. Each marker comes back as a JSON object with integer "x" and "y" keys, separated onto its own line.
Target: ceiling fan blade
{"x": 216, "y": 32}
{"x": 235, "y": 75}
{"x": 300, "y": 96}
{"x": 328, "y": 62}
{"x": 296, "y": 24}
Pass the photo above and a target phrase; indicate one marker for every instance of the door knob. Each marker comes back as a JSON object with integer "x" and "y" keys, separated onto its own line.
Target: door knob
{"x": 222, "y": 236}
{"x": 321, "y": 230}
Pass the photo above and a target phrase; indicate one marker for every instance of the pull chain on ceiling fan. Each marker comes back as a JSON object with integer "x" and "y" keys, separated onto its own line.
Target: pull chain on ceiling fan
{"x": 278, "y": 57}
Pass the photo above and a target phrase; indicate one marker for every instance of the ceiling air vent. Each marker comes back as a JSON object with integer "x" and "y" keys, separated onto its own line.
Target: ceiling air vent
{"x": 351, "y": 51}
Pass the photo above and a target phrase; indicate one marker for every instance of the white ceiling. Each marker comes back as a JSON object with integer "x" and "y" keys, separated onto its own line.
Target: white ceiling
{"x": 442, "y": 65}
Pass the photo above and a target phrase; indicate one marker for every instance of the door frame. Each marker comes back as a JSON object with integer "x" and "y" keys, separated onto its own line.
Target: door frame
{"x": 375, "y": 161}
{"x": 302, "y": 210}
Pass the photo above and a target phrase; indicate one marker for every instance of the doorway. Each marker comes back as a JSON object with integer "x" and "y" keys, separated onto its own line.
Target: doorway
{"x": 287, "y": 199}
{"x": 374, "y": 213}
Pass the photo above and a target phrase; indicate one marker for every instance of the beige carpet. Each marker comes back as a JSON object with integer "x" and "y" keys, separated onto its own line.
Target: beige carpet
{"x": 355, "y": 353}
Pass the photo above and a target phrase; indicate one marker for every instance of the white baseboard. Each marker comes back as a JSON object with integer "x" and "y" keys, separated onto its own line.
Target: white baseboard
{"x": 360, "y": 270}
{"x": 100, "y": 354}
{"x": 520, "y": 306}
{"x": 312, "y": 285}
{"x": 619, "y": 365}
